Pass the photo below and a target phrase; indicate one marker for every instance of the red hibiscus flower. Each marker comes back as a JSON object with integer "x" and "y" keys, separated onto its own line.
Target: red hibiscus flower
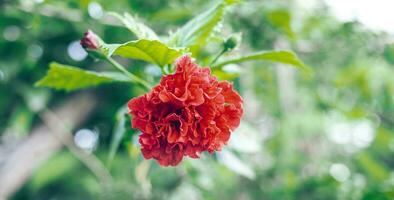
{"x": 187, "y": 113}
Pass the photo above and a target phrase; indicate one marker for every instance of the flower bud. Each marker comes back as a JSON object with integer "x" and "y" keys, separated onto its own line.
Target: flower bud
{"x": 90, "y": 40}
{"x": 231, "y": 42}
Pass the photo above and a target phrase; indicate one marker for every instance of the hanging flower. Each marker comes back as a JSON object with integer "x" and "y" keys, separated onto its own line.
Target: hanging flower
{"x": 189, "y": 112}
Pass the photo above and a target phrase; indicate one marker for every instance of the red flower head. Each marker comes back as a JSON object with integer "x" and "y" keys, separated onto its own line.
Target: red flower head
{"x": 187, "y": 113}
{"x": 90, "y": 40}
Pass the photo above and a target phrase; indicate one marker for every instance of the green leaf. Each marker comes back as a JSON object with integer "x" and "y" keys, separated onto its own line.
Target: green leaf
{"x": 198, "y": 30}
{"x": 139, "y": 29}
{"x": 225, "y": 75}
{"x": 152, "y": 51}
{"x": 285, "y": 57}
{"x": 282, "y": 20}
{"x": 172, "y": 14}
{"x": 64, "y": 77}
{"x": 55, "y": 168}
{"x": 119, "y": 131}
{"x": 373, "y": 167}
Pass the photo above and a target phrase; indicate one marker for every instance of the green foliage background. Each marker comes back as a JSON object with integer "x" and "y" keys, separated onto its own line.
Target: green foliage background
{"x": 287, "y": 146}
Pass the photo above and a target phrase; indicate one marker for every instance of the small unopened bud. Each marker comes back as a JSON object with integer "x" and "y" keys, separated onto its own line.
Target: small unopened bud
{"x": 90, "y": 40}
{"x": 231, "y": 42}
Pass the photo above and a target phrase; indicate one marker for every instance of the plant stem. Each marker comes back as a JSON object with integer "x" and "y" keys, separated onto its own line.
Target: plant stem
{"x": 217, "y": 57}
{"x": 130, "y": 75}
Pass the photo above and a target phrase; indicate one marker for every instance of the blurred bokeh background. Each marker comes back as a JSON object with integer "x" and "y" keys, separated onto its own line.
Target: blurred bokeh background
{"x": 325, "y": 135}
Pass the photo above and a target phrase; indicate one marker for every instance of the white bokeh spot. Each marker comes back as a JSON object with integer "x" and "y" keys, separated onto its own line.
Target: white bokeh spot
{"x": 86, "y": 139}
{"x": 95, "y": 10}
{"x": 76, "y": 51}
{"x": 339, "y": 172}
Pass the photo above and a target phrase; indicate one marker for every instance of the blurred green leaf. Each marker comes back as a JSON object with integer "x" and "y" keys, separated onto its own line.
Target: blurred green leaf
{"x": 225, "y": 75}
{"x": 286, "y": 57}
{"x": 282, "y": 20}
{"x": 389, "y": 53}
{"x": 20, "y": 122}
{"x": 383, "y": 140}
{"x": 139, "y": 29}
{"x": 171, "y": 14}
{"x": 376, "y": 194}
{"x": 372, "y": 166}
{"x": 198, "y": 29}
{"x": 65, "y": 77}
{"x": 152, "y": 51}
{"x": 57, "y": 167}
